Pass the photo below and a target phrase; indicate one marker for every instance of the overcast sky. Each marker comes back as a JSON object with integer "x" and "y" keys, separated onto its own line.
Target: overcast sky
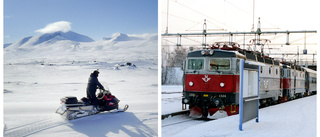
{"x": 237, "y": 15}
{"x": 96, "y": 18}
{"x": 187, "y": 16}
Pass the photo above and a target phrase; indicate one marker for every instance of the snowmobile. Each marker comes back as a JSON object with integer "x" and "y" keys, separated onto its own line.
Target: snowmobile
{"x": 73, "y": 108}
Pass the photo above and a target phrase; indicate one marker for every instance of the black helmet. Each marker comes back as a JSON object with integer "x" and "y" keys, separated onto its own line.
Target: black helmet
{"x": 96, "y": 72}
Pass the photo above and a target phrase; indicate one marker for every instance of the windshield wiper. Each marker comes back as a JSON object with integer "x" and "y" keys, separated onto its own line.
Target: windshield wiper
{"x": 216, "y": 67}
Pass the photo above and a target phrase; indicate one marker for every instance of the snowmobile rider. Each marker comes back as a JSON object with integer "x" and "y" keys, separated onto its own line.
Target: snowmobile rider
{"x": 93, "y": 84}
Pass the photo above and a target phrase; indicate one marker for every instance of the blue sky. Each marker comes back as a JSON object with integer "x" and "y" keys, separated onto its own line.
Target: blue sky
{"x": 96, "y": 18}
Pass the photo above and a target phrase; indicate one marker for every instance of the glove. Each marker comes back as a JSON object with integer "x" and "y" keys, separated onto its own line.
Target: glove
{"x": 107, "y": 92}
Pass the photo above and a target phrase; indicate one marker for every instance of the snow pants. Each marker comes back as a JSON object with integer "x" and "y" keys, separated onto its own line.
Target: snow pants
{"x": 93, "y": 99}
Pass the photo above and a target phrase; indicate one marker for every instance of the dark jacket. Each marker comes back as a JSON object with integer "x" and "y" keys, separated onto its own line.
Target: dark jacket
{"x": 93, "y": 83}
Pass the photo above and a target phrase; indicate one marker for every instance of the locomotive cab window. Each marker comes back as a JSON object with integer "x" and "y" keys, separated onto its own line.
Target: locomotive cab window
{"x": 220, "y": 64}
{"x": 195, "y": 64}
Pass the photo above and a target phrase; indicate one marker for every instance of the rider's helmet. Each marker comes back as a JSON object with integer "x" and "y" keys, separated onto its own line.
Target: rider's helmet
{"x": 96, "y": 72}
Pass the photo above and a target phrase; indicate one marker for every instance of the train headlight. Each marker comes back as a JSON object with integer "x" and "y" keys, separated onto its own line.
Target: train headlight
{"x": 211, "y": 52}
{"x": 217, "y": 102}
{"x": 185, "y": 101}
{"x": 222, "y": 84}
{"x": 203, "y": 52}
{"x": 190, "y": 83}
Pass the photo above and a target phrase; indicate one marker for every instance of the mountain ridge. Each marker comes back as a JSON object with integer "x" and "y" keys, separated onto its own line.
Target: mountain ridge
{"x": 49, "y": 37}
{"x": 121, "y": 37}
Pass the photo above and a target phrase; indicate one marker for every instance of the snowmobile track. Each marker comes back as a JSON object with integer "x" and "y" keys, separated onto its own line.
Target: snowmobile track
{"x": 29, "y": 129}
{"x": 21, "y": 126}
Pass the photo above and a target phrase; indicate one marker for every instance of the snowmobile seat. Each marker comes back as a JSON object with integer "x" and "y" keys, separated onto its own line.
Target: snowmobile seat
{"x": 75, "y": 105}
{"x": 69, "y": 100}
{"x": 86, "y": 101}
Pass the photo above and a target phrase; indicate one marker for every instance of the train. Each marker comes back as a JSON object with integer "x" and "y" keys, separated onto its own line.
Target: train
{"x": 211, "y": 79}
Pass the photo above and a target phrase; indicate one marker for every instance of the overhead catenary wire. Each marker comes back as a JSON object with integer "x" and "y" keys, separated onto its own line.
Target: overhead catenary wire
{"x": 205, "y": 16}
{"x": 218, "y": 23}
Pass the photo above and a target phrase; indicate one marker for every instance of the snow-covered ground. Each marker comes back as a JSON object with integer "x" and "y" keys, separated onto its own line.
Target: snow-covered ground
{"x": 37, "y": 76}
{"x": 295, "y": 118}
{"x": 171, "y": 99}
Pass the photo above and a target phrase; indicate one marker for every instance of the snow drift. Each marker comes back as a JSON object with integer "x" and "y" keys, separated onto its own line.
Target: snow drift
{"x": 294, "y": 118}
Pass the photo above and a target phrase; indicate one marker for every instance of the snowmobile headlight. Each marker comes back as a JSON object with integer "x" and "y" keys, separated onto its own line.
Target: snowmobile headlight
{"x": 222, "y": 84}
{"x": 190, "y": 83}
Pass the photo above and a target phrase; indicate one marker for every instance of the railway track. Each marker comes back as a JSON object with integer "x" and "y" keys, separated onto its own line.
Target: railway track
{"x": 175, "y": 114}
{"x": 184, "y": 118}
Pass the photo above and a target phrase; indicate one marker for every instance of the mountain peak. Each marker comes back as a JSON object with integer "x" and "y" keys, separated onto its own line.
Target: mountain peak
{"x": 59, "y": 35}
{"x": 52, "y": 38}
{"x": 121, "y": 37}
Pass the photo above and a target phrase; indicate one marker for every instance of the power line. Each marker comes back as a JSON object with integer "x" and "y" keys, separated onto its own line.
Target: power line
{"x": 205, "y": 16}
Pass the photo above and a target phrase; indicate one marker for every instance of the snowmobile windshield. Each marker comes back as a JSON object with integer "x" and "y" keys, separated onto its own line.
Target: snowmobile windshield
{"x": 105, "y": 85}
{"x": 100, "y": 93}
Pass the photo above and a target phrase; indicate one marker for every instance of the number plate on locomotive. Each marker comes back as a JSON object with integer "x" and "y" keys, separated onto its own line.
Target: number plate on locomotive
{"x": 205, "y": 95}
{"x": 222, "y": 96}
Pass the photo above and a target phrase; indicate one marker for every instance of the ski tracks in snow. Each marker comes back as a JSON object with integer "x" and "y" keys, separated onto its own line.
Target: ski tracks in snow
{"x": 34, "y": 127}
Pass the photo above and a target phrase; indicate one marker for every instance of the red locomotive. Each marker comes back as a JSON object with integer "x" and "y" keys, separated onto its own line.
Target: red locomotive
{"x": 211, "y": 79}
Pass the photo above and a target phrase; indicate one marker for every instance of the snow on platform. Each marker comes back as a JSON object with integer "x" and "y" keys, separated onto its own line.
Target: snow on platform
{"x": 171, "y": 98}
{"x": 296, "y": 118}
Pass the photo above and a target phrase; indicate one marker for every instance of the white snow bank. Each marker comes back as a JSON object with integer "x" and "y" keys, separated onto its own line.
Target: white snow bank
{"x": 171, "y": 99}
{"x": 295, "y": 118}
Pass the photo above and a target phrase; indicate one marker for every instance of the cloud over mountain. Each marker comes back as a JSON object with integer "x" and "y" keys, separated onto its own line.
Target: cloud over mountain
{"x": 62, "y": 26}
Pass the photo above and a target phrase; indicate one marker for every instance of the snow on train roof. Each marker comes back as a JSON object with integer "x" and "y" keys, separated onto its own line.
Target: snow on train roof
{"x": 310, "y": 70}
{"x": 217, "y": 52}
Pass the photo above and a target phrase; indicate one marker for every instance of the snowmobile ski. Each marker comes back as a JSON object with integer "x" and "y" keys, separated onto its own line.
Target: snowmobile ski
{"x": 121, "y": 110}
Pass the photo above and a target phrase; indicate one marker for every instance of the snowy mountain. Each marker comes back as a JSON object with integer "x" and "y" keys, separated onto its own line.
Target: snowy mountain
{"x": 50, "y": 38}
{"x": 71, "y": 45}
{"x": 6, "y": 45}
{"x": 121, "y": 37}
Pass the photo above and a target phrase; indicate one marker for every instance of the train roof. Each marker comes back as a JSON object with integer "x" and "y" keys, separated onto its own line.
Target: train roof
{"x": 309, "y": 70}
{"x": 215, "y": 53}
{"x": 232, "y": 49}
{"x": 248, "y": 55}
